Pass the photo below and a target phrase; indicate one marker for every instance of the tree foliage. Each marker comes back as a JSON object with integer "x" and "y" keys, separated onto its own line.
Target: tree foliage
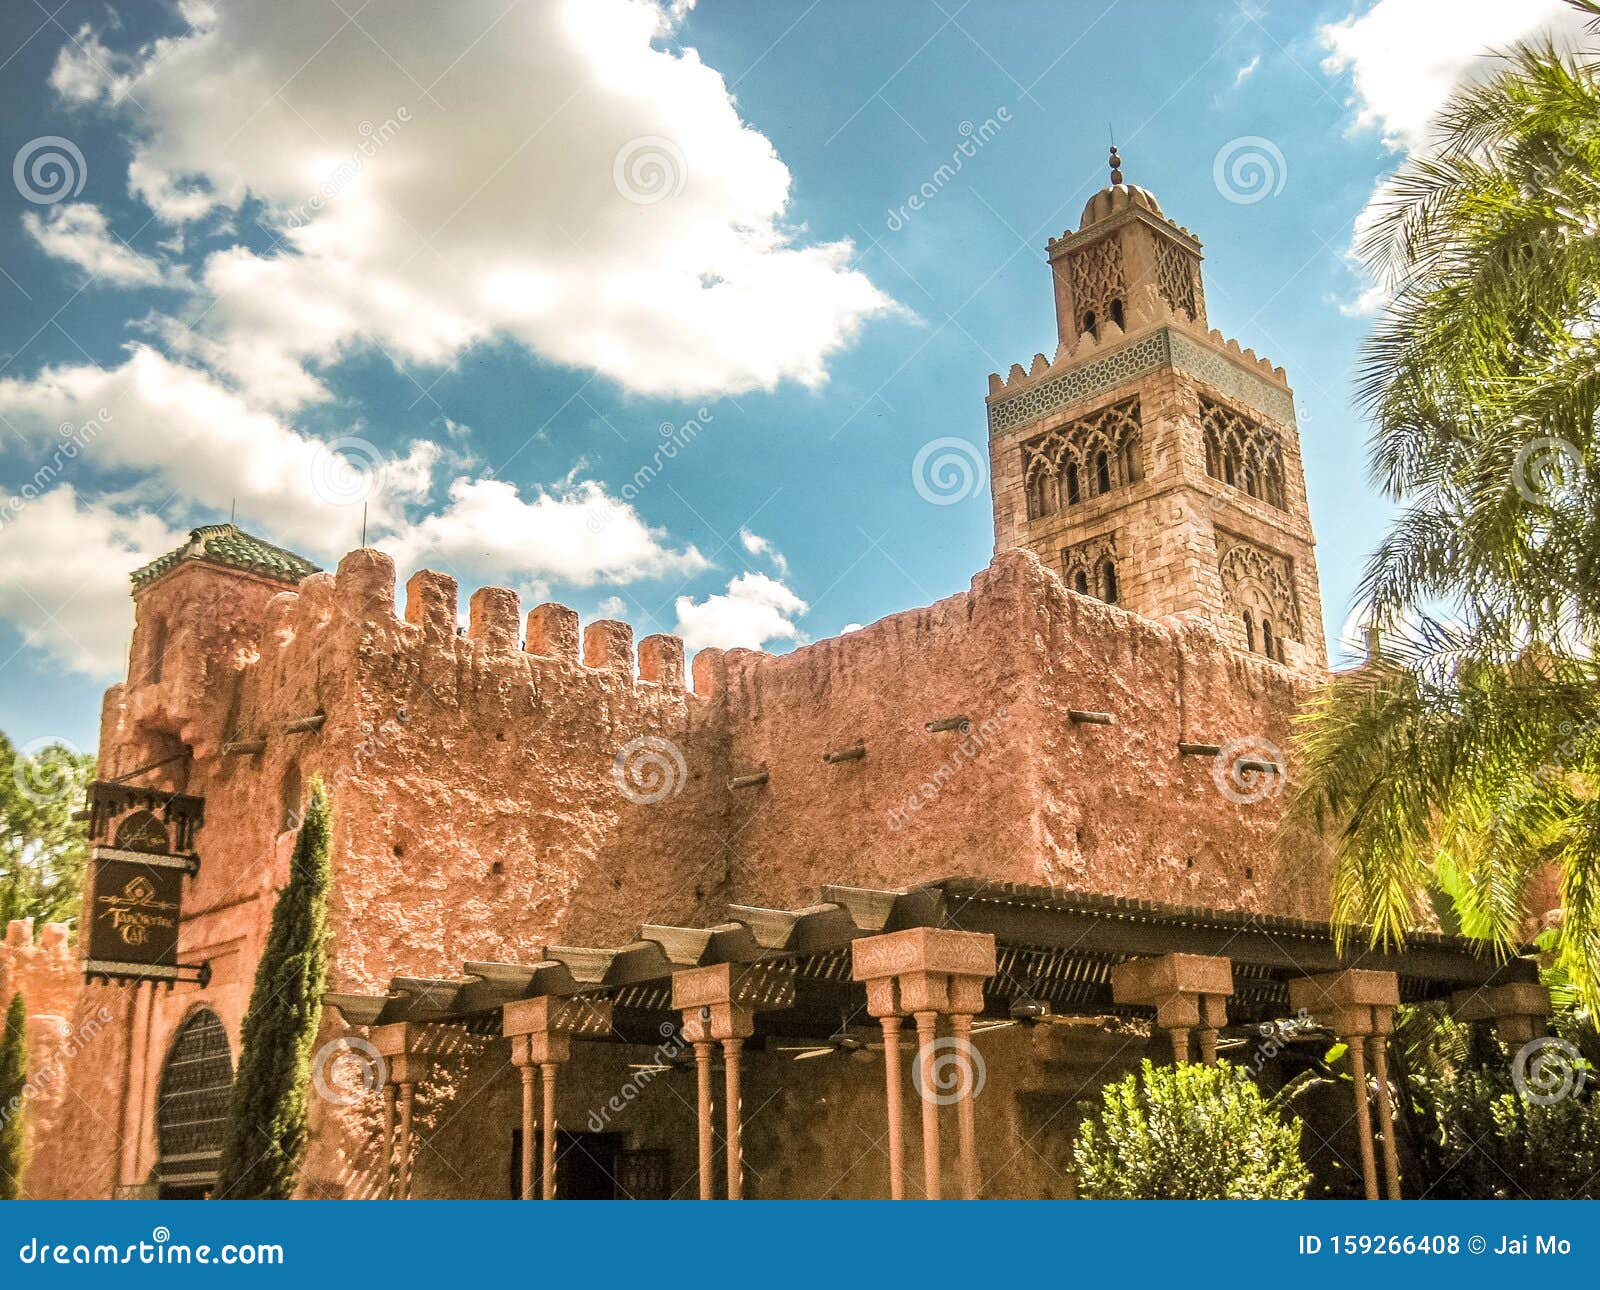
{"x": 1189, "y": 1132}
{"x": 42, "y": 848}
{"x": 266, "y": 1131}
{"x": 1471, "y": 753}
{"x": 13, "y": 1092}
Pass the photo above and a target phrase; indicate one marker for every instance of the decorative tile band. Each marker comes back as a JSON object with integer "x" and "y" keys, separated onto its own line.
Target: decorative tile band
{"x": 1160, "y": 348}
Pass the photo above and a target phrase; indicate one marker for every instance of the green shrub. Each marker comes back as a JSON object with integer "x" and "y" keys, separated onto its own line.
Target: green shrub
{"x": 1189, "y": 1133}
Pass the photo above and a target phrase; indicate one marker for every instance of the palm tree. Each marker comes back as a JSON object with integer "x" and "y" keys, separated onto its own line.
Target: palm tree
{"x": 1475, "y": 743}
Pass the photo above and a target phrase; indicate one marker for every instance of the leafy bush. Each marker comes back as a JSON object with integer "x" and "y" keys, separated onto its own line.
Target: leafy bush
{"x": 13, "y": 1096}
{"x": 1189, "y": 1133}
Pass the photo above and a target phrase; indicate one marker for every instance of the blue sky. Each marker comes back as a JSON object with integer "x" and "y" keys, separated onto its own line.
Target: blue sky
{"x": 473, "y": 267}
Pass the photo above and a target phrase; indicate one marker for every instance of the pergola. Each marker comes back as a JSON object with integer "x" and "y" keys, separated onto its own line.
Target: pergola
{"x": 940, "y": 957}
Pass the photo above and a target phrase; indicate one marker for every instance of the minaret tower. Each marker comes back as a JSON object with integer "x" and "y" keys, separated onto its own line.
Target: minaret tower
{"x": 1152, "y": 463}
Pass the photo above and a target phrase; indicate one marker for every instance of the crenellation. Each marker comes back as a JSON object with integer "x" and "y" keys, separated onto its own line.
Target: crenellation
{"x": 661, "y": 661}
{"x": 431, "y": 600}
{"x": 552, "y": 632}
{"x": 608, "y": 647}
{"x": 493, "y": 617}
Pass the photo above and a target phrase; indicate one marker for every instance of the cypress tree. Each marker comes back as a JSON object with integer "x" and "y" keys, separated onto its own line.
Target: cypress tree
{"x": 266, "y": 1132}
{"x": 13, "y": 1087}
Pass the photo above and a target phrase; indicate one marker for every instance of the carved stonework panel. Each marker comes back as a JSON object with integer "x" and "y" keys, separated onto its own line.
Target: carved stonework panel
{"x": 1092, "y": 455}
{"x": 1160, "y": 348}
{"x": 1259, "y": 586}
{"x": 1175, "y": 278}
{"x": 1083, "y": 566}
{"x": 1242, "y": 452}
{"x": 1099, "y": 285}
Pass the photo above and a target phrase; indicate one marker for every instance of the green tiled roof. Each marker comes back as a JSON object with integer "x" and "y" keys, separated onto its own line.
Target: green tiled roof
{"x": 232, "y": 548}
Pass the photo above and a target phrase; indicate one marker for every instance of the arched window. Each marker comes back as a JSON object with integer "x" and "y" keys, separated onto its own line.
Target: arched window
{"x": 1249, "y": 632}
{"x": 1108, "y": 582}
{"x": 1102, "y": 473}
{"x": 1091, "y": 324}
{"x": 1074, "y": 492}
{"x": 192, "y": 1108}
{"x": 1080, "y": 582}
{"x": 1132, "y": 472}
{"x": 1266, "y": 639}
{"x": 1230, "y": 470}
{"x": 289, "y": 801}
{"x": 1038, "y": 495}
{"x": 1116, "y": 313}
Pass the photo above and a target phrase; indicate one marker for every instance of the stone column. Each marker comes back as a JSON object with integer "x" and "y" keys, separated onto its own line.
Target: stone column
{"x": 719, "y": 1005}
{"x": 1518, "y": 1010}
{"x": 1358, "y": 1004}
{"x": 925, "y": 973}
{"x": 403, "y": 1046}
{"x": 1189, "y": 993}
{"x": 541, "y": 1031}
{"x": 891, "y": 1075}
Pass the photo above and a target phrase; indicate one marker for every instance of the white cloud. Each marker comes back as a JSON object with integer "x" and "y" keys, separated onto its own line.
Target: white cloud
{"x": 546, "y": 171}
{"x": 576, "y": 533}
{"x": 1246, "y": 71}
{"x": 79, "y": 233}
{"x": 198, "y": 439}
{"x": 1403, "y": 61}
{"x": 64, "y": 567}
{"x": 759, "y": 546}
{"x": 1404, "y": 57}
{"x": 755, "y": 609}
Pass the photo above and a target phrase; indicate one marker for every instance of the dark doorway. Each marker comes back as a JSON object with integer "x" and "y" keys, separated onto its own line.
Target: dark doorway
{"x": 589, "y": 1166}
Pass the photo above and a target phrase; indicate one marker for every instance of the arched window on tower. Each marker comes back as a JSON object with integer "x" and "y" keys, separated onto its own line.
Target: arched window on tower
{"x": 1091, "y": 324}
{"x": 1102, "y": 473}
{"x": 1108, "y": 581}
{"x": 1074, "y": 490}
{"x": 1266, "y": 639}
{"x": 1249, "y": 632}
{"x": 1038, "y": 495}
{"x": 1080, "y": 582}
{"x": 1116, "y": 313}
{"x": 1132, "y": 468}
{"x": 289, "y": 800}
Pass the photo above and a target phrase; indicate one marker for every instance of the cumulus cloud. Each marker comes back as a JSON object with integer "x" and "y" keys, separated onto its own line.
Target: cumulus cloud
{"x": 159, "y": 419}
{"x": 576, "y": 533}
{"x": 762, "y": 547}
{"x": 80, "y": 234}
{"x": 753, "y": 611}
{"x": 1402, "y": 62}
{"x": 64, "y": 566}
{"x": 547, "y": 171}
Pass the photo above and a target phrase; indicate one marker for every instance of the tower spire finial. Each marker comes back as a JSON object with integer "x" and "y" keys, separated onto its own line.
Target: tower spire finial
{"x": 1116, "y": 166}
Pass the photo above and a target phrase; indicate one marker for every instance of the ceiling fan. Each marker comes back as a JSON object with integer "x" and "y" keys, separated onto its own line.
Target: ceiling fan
{"x": 847, "y": 1039}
